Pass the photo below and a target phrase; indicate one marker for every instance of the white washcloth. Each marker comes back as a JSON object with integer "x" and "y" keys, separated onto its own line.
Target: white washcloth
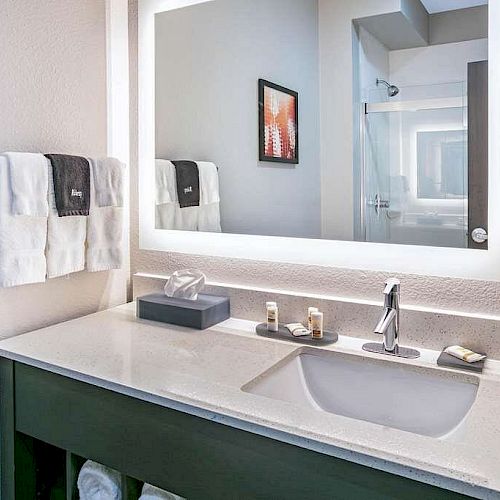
{"x": 150, "y": 492}
{"x": 22, "y": 240}
{"x": 28, "y": 177}
{"x": 104, "y": 233}
{"x": 97, "y": 482}
{"x": 209, "y": 183}
{"x": 65, "y": 239}
{"x": 108, "y": 175}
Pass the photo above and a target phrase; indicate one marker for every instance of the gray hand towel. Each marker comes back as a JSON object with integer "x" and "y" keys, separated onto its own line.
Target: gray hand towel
{"x": 188, "y": 183}
{"x": 71, "y": 176}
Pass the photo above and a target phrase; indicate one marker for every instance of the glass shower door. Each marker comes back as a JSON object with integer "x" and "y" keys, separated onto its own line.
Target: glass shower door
{"x": 415, "y": 167}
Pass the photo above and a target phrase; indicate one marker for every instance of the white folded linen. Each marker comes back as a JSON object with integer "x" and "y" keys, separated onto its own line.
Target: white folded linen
{"x": 66, "y": 237}
{"x": 150, "y": 492}
{"x": 104, "y": 239}
{"x": 108, "y": 177}
{"x": 28, "y": 180}
{"x": 22, "y": 239}
{"x": 97, "y": 482}
{"x": 104, "y": 232}
{"x": 166, "y": 182}
{"x": 209, "y": 218}
{"x": 209, "y": 183}
{"x": 169, "y": 214}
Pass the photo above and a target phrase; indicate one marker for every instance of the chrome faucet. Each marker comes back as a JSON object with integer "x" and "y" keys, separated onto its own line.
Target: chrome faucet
{"x": 388, "y": 325}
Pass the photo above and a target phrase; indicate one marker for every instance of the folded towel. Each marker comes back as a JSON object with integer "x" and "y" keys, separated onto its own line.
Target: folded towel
{"x": 104, "y": 233}
{"x": 209, "y": 183}
{"x": 166, "y": 182}
{"x": 22, "y": 239}
{"x": 168, "y": 216}
{"x": 150, "y": 492}
{"x": 108, "y": 174}
{"x": 97, "y": 482}
{"x": 65, "y": 240}
{"x": 28, "y": 177}
{"x": 209, "y": 213}
{"x": 188, "y": 183}
{"x": 71, "y": 179}
{"x": 209, "y": 218}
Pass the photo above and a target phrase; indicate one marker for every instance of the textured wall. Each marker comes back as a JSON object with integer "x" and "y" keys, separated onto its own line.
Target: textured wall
{"x": 453, "y": 294}
{"x": 53, "y": 99}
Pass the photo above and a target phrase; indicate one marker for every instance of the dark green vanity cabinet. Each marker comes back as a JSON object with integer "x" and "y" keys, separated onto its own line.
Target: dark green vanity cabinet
{"x": 51, "y": 419}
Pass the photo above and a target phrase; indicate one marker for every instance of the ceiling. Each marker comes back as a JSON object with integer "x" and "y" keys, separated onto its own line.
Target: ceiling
{"x": 434, "y": 6}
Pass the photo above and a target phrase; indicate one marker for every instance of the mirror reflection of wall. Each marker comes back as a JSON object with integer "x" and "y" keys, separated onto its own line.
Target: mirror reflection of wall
{"x": 384, "y": 125}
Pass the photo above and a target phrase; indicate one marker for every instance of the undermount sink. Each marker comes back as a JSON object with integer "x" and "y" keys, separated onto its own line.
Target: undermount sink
{"x": 414, "y": 399}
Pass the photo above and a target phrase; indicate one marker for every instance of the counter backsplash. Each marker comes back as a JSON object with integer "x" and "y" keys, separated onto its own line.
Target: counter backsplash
{"x": 420, "y": 327}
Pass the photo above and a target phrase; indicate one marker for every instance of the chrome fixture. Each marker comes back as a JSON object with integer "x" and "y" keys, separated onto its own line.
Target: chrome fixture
{"x": 379, "y": 203}
{"x": 388, "y": 326}
{"x": 479, "y": 235}
{"x": 392, "y": 90}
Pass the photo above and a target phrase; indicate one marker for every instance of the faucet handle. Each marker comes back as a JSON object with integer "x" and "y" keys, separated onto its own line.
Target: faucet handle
{"x": 392, "y": 285}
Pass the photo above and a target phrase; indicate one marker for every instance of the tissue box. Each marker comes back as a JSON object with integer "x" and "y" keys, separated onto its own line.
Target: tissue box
{"x": 203, "y": 313}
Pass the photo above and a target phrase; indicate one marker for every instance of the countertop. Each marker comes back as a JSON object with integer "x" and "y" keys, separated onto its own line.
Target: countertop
{"x": 202, "y": 372}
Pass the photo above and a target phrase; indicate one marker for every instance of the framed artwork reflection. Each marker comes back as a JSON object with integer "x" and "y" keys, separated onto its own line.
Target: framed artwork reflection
{"x": 278, "y": 123}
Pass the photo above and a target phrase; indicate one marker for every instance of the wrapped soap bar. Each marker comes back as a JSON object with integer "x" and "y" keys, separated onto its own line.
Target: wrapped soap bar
{"x": 298, "y": 329}
{"x": 464, "y": 354}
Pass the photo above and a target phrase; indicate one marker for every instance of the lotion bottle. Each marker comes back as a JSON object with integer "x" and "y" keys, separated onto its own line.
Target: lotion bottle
{"x": 272, "y": 316}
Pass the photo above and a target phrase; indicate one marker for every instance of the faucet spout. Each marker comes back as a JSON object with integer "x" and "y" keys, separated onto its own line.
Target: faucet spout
{"x": 387, "y": 326}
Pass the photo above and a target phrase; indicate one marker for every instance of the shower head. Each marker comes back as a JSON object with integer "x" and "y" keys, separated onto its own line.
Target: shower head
{"x": 392, "y": 90}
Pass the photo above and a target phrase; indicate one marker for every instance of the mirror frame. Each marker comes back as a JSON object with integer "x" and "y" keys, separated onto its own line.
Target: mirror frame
{"x": 393, "y": 258}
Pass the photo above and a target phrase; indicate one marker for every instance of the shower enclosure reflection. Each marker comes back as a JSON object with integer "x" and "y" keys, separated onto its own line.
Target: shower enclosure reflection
{"x": 404, "y": 161}
{"x": 416, "y": 162}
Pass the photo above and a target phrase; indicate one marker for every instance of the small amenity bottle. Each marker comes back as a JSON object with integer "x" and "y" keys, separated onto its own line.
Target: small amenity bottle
{"x": 309, "y": 319}
{"x": 272, "y": 316}
{"x": 317, "y": 325}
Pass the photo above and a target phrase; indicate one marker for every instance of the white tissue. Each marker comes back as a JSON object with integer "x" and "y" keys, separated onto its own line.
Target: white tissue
{"x": 185, "y": 284}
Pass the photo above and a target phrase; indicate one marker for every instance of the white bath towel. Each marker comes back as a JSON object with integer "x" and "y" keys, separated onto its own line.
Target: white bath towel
{"x": 168, "y": 210}
{"x": 97, "y": 482}
{"x": 65, "y": 239}
{"x": 209, "y": 183}
{"x": 150, "y": 492}
{"x": 22, "y": 240}
{"x": 104, "y": 233}
{"x": 108, "y": 176}
{"x": 209, "y": 210}
{"x": 28, "y": 178}
{"x": 209, "y": 218}
{"x": 166, "y": 183}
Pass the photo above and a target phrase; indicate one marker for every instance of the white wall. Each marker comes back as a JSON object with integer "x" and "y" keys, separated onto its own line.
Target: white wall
{"x": 336, "y": 90}
{"x": 218, "y": 51}
{"x": 436, "y": 63}
{"x": 53, "y": 99}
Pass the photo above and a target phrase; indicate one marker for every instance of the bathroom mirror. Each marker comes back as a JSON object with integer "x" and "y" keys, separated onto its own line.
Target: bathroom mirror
{"x": 324, "y": 119}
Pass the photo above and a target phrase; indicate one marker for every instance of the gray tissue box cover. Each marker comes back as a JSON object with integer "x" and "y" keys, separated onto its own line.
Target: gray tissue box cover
{"x": 206, "y": 311}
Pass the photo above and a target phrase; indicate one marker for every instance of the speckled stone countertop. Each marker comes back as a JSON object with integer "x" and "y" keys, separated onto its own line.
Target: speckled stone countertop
{"x": 202, "y": 373}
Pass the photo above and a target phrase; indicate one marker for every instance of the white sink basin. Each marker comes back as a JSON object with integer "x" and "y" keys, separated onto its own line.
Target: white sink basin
{"x": 414, "y": 399}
